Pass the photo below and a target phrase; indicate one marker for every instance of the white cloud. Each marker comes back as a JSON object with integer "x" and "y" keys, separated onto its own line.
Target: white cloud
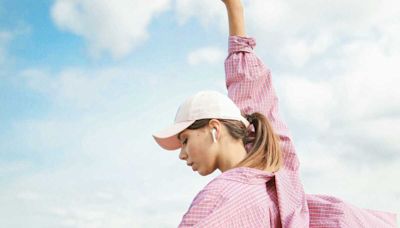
{"x": 363, "y": 95}
{"x": 209, "y": 12}
{"x": 86, "y": 89}
{"x": 302, "y": 32}
{"x": 364, "y": 185}
{"x": 8, "y": 168}
{"x": 346, "y": 126}
{"x": 206, "y": 55}
{"x": 108, "y": 26}
{"x": 299, "y": 52}
{"x": 309, "y": 102}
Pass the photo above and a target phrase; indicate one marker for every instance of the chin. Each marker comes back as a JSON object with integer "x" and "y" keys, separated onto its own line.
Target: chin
{"x": 205, "y": 173}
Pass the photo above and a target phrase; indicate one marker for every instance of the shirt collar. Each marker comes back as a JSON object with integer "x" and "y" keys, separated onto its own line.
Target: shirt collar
{"x": 247, "y": 175}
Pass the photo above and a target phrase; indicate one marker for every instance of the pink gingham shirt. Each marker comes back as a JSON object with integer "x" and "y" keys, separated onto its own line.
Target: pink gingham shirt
{"x": 246, "y": 197}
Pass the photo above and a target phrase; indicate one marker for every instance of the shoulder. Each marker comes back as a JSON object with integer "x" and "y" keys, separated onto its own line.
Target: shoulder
{"x": 218, "y": 186}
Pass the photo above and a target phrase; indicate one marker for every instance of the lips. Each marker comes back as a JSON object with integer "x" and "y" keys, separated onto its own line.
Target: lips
{"x": 189, "y": 164}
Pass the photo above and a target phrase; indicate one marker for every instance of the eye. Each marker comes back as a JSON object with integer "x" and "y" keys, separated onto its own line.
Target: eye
{"x": 184, "y": 141}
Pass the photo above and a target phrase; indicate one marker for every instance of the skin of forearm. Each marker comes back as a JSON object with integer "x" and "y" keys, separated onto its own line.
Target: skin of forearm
{"x": 236, "y": 17}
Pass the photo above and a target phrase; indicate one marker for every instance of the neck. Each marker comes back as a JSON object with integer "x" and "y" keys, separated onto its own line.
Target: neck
{"x": 231, "y": 154}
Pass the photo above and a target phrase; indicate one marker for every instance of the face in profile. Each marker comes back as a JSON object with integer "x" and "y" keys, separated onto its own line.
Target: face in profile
{"x": 198, "y": 150}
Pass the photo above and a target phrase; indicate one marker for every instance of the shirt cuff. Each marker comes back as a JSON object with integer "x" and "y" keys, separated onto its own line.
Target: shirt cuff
{"x": 239, "y": 43}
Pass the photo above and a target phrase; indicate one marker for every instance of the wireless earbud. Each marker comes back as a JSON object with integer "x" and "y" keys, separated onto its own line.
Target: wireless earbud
{"x": 213, "y": 132}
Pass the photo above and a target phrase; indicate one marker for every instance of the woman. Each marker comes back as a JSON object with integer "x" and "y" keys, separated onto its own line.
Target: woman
{"x": 259, "y": 185}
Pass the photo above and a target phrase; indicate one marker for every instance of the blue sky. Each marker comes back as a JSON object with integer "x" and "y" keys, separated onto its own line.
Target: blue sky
{"x": 84, "y": 84}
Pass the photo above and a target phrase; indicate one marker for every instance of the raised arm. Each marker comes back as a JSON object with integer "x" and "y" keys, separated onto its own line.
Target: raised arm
{"x": 249, "y": 82}
{"x": 236, "y": 17}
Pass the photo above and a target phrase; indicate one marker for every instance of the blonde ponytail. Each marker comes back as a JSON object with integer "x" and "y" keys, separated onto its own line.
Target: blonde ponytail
{"x": 265, "y": 152}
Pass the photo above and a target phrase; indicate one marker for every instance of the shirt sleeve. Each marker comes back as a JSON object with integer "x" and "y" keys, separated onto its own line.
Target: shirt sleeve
{"x": 329, "y": 211}
{"x": 202, "y": 206}
{"x": 249, "y": 85}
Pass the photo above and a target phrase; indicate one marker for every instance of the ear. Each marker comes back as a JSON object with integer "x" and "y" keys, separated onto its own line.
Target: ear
{"x": 215, "y": 124}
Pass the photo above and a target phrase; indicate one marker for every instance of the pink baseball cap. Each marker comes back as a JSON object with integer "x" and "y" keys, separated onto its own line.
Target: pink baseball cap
{"x": 203, "y": 105}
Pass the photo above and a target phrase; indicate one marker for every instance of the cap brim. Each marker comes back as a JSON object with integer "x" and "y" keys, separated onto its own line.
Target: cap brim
{"x": 168, "y": 139}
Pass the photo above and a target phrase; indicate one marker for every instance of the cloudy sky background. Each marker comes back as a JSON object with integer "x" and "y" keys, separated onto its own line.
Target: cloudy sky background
{"x": 83, "y": 85}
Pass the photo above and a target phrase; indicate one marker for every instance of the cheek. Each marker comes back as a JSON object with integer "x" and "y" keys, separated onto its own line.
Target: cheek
{"x": 191, "y": 150}
{"x": 198, "y": 147}
{"x": 197, "y": 150}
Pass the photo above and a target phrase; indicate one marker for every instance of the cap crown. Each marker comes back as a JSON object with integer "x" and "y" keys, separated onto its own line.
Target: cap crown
{"x": 207, "y": 105}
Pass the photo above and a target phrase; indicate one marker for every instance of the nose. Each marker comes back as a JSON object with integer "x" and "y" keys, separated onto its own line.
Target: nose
{"x": 182, "y": 155}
